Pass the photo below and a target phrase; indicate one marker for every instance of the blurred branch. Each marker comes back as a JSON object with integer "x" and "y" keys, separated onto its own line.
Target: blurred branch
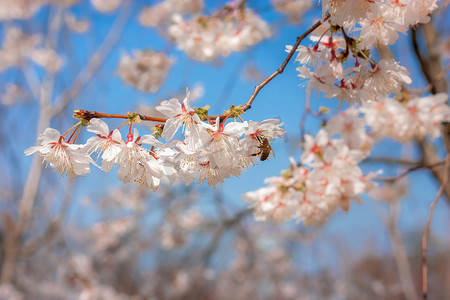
{"x": 407, "y": 171}
{"x": 96, "y": 61}
{"x": 400, "y": 253}
{"x": 433, "y": 73}
{"x": 224, "y": 226}
{"x": 32, "y": 80}
{"x": 53, "y": 228}
{"x": 426, "y": 233}
{"x": 430, "y": 156}
{"x": 46, "y": 113}
{"x": 393, "y": 161}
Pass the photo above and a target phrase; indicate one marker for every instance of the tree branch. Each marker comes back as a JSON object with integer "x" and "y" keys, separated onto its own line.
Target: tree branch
{"x": 409, "y": 170}
{"x": 426, "y": 233}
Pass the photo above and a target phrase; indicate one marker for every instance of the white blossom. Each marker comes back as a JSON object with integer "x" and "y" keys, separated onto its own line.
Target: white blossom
{"x": 67, "y": 159}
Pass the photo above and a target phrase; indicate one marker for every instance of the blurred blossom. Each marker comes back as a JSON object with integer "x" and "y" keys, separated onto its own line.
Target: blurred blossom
{"x": 19, "y": 9}
{"x": 204, "y": 38}
{"x": 445, "y": 48}
{"x": 293, "y": 8}
{"x": 77, "y": 25}
{"x": 391, "y": 192}
{"x": 171, "y": 237}
{"x": 105, "y": 6}
{"x": 47, "y": 58}
{"x": 108, "y": 234}
{"x": 160, "y": 13}
{"x": 125, "y": 198}
{"x": 403, "y": 122}
{"x": 16, "y": 47}
{"x": 146, "y": 71}
{"x": 12, "y": 95}
{"x": 191, "y": 219}
{"x": 9, "y": 292}
{"x": 80, "y": 266}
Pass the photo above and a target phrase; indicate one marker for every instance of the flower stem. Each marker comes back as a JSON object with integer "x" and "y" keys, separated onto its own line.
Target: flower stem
{"x": 71, "y": 128}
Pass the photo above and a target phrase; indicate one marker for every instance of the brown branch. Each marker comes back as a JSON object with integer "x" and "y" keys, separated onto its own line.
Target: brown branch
{"x": 393, "y": 161}
{"x": 93, "y": 114}
{"x": 423, "y": 61}
{"x": 87, "y": 115}
{"x": 280, "y": 69}
{"x": 409, "y": 170}
{"x": 427, "y": 228}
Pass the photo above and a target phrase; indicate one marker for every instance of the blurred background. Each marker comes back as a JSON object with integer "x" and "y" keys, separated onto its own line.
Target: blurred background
{"x": 97, "y": 238}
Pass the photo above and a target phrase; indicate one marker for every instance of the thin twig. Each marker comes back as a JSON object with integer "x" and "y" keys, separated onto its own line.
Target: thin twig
{"x": 280, "y": 69}
{"x": 427, "y": 228}
{"x": 409, "y": 170}
{"x": 393, "y": 161}
{"x": 69, "y": 93}
{"x": 400, "y": 253}
{"x": 87, "y": 115}
{"x": 305, "y": 115}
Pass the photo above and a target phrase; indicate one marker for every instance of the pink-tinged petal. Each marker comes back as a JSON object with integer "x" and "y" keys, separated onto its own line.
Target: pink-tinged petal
{"x": 32, "y": 150}
{"x": 111, "y": 153}
{"x": 309, "y": 141}
{"x": 235, "y": 129}
{"x": 169, "y": 108}
{"x": 171, "y": 127}
{"x": 107, "y": 165}
{"x": 322, "y": 138}
{"x": 98, "y": 126}
{"x": 187, "y": 107}
{"x": 151, "y": 140}
{"x": 116, "y": 136}
{"x": 50, "y": 135}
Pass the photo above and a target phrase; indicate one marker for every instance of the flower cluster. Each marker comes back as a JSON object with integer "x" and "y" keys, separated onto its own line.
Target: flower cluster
{"x": 366, "y": 80}
{"x": 204, "y": 38}
{"x": 328, "y": 175}
{"x": 209, "y": 152}
{"x": 402, "y": 121}
{"x": 160, "y": 13}
{"x": 378, "y": 21}
{"x": 19, "y": 9}
{"x": 327, "y": 178}
{"x": 407, "y": 120}
{"x": 146, "y": 71}
{"x": 105, "y": 6}
{"x": 293, "y": 8}
{"x": 18, "y": 46}
{"x": 340, "y": 63}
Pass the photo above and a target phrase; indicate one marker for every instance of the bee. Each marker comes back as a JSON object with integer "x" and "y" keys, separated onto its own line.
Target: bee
{"x": 264, "y": 148}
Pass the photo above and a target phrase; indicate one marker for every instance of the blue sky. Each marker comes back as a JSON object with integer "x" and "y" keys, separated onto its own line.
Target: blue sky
{"x": 282, "y": 98}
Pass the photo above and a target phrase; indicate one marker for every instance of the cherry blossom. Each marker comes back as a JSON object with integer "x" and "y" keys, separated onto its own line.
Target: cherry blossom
{"x": 137, "y": 164}
{"x": 161, "y": 13}
{"x": 107, "y": 143}
{"x": 293, "y": 8}
{"x": 64, "y": 157}
{"x": 146, "y": 71}
{"x": 206, "y": 37}
{"x": 105, "y": 6}
{"x": 179, "y": 115}
{"x": 328, "y": 178}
